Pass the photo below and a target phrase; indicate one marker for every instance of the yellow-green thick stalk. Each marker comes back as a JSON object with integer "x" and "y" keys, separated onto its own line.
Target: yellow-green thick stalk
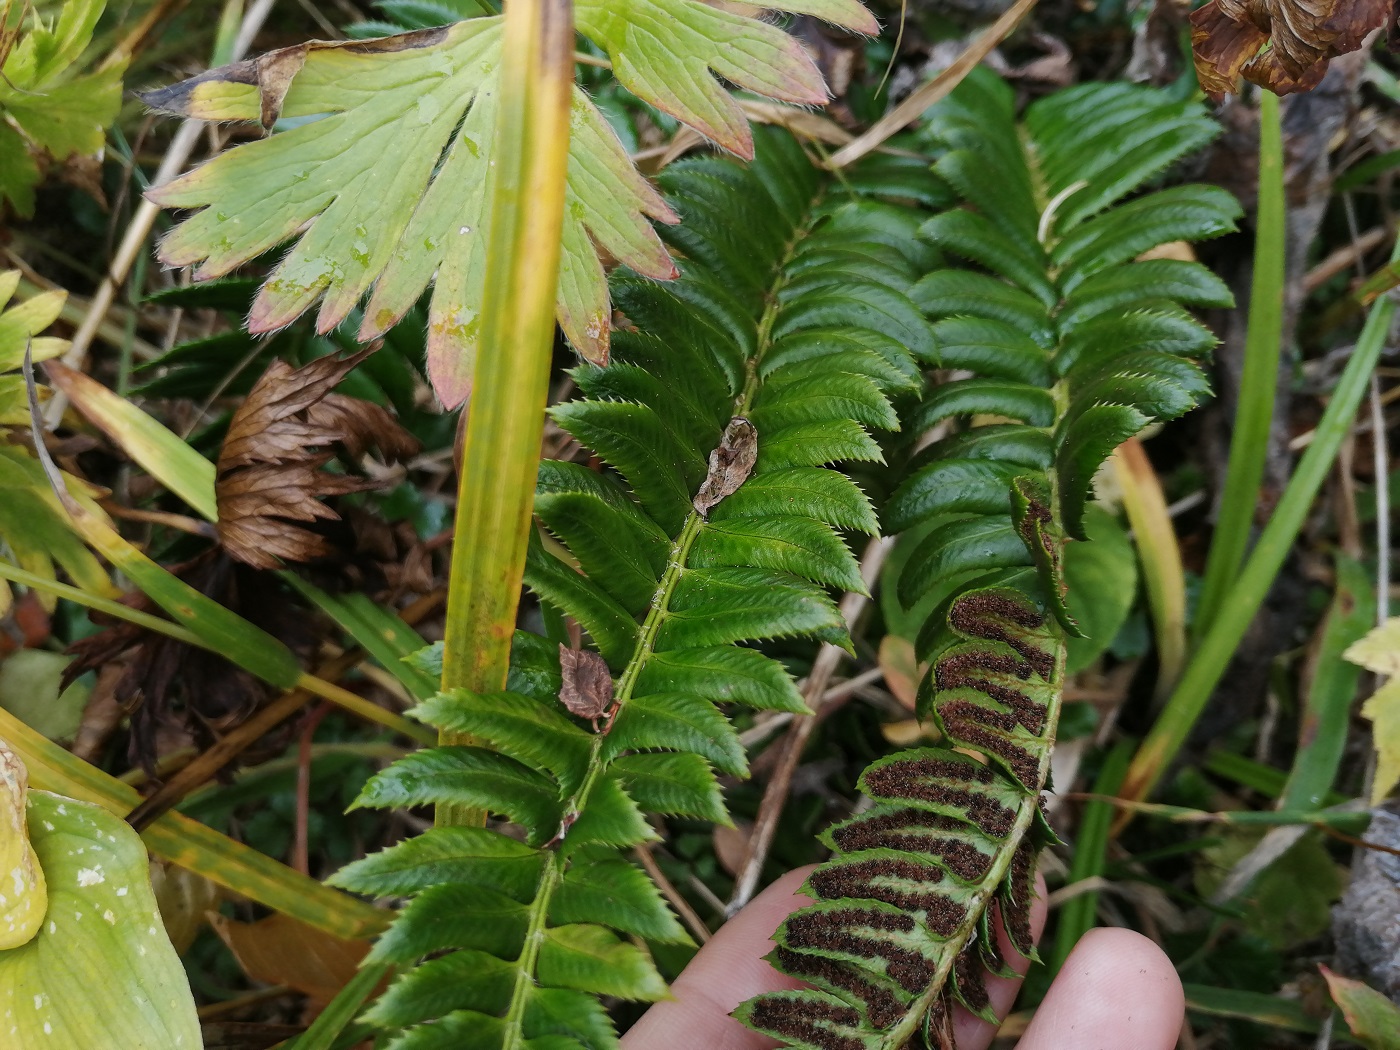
{"x": 505, "y": 422}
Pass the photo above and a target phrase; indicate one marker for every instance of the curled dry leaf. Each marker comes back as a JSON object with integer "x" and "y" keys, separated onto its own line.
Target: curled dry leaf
{"x": 730, "y": 465}
{"x": 587, "y": 690}
{"x": 1282, "y": 45}
{"x": 271, "y": 470}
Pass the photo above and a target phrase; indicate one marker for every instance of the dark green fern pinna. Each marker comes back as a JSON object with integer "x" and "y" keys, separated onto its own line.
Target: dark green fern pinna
{"x": 716, "y": 522}
{"x": 1073, "y": 344}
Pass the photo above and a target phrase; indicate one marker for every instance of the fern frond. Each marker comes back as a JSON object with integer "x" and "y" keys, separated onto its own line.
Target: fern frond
{"x": 1074, "y": 347}
{"x": 718, "y": 520}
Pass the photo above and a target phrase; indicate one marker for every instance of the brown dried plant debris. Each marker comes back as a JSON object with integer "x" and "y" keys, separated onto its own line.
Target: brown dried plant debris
{"x": 730, "y": 465}
{"x": 271, "y": 472}
{"x": 169, "y": 687}
{"x": 1282, "y": 45}
{"x": 587, "y": 689}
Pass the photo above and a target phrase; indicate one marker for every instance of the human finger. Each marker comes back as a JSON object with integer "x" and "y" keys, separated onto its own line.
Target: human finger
{"x": 1116, "y": 991}
{"x": 724, "y": 973}
{"x": 972, "y": 1033}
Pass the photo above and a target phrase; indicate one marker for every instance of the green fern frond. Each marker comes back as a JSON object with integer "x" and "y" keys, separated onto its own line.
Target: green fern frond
{"x": 1075, "y": 347}
{"x": 719, "y": 520}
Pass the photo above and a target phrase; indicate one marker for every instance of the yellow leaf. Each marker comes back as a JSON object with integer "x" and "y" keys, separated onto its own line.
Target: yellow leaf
{"x": 1383, "y": 709}
{"x": 1379, "y": 651}
{"x": 23, "y": 895}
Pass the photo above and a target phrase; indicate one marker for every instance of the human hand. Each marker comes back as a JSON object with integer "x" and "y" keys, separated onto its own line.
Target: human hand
{"x": 1117, "y": 990}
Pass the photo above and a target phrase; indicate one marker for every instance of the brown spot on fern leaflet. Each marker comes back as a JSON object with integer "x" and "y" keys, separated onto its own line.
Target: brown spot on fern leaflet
{"x": 967, "y": 975}
{"x": 877, "y": 879}
{"x": 965, "y": 669}
{"x": 914, "y": 831}
{"x": 796, "y": 1020}
{"x": 882, "y": 1009}
{"x": 920, "y": 780}
{"x": 972, "y": 725}
{"x": 985, "y": 615}
{"x": 1016, "y": 898}
{"x": 846, "y": 932}
{"x": 731, "y": 463}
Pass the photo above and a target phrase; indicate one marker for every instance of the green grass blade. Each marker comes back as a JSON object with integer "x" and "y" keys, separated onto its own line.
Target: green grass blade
{"x": 1254, "y": 415}
{"x": 525, "y": 206}
{"x": 158, "y": 450}
{"x": 377, "y": 630}
{"x": 192, "y": 845}
{"x": 1243, "y": 599}
{"x": 1076, "y": 917}
{"x": 331, "y": 1023}
{"x": 1331, "y": 690}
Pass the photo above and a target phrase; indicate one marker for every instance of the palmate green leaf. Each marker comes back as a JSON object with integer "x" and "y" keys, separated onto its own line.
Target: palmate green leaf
{"x": 49, "y": 107}
{"x": 663, "y": 51}
{"x": 392, "y": 226}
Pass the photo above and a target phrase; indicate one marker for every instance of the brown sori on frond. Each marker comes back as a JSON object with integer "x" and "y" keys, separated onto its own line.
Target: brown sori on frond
{"x": 901, "y": 929}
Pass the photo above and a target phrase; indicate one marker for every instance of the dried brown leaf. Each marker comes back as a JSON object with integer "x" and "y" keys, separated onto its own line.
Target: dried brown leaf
{"x": 282, "y": 950}
{"x": 730, "y": 465}
{"x": 588, "y": 686}
{"x": 271, "y": 469}
{"x": 1229, "y": 38}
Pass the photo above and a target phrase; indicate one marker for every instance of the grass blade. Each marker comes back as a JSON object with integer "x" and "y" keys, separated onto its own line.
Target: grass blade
{"x": 1254, "y": 415}
{"x": 1160, "y": 557}
{"x": 1242, "y": 601}
{"x": 194, "y": 846}
{"x": 1330, "y": 690}
{"x": 1076, "y": 917}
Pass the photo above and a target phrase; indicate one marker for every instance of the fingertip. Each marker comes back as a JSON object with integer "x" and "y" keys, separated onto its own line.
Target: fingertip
{"x": 728, "y": 970}
{"x": 1117, "y": 990}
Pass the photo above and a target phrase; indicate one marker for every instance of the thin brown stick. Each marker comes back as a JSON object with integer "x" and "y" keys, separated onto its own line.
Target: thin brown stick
{"x": 301, "y": 837}
{"x": 775, "y": 795}
{"x": 908, "y": 111}
{"x": 692, "y": 920}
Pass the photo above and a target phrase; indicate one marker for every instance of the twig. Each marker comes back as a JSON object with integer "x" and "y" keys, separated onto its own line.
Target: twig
{"x": 776, "y": 794}
{"x": 181, "y": 146}
{"x": 1343, "y": 257}
{"x": 926, "y": 95}
{"x": 693, "y": 922}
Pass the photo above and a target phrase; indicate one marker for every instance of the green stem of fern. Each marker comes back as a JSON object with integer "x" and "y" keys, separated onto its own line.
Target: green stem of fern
{"x": 1254, "y": 415}
{"x": 529, "y": 955}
